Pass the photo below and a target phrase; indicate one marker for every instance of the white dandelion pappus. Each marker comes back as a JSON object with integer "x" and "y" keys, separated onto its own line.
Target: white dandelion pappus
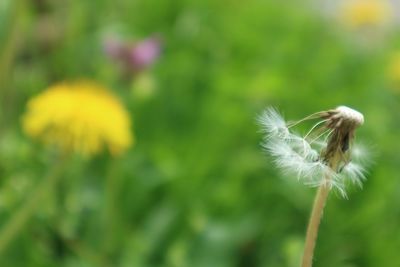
{"x": 308, "y": 157}
{"x": 273, "y": 124}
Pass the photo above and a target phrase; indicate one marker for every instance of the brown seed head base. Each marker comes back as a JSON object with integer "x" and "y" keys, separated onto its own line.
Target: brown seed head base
{"x": 343, "y": 121}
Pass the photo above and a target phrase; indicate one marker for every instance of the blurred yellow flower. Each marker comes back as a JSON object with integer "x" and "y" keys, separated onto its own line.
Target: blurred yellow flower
{"x": 360, "y": 13}
{"x": 393, "y": 71}
{"x": 82, "y": 117}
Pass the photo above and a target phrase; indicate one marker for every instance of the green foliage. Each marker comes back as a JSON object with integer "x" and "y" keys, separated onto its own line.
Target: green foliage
{"x": 196, "y": 189}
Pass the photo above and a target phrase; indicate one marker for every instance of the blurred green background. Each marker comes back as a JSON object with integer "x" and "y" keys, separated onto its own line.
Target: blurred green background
{"x": 196, "y": 189}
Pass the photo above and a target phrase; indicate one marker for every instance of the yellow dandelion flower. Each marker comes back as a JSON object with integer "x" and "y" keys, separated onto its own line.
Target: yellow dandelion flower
{"x": 361, "y": 13}
{"x": 82, "y": 117}
{"x": 393, "y": 71}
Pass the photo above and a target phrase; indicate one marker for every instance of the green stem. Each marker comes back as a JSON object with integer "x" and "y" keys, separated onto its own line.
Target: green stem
{"x": 14, "y": 226}
{"x": 10, "y": 44}
{"x": 112, "y": 188}
{"x": 86, "y": 253}
{"x": 8, "y": 52}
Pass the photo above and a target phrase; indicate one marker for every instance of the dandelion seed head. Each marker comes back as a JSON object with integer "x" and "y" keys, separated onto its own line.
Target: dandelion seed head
{"x": 309, "y": 158}
{"x": 351, "y": 115}
{"x": 343, "y": 118}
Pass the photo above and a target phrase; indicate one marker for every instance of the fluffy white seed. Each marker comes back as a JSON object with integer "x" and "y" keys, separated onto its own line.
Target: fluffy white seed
{"x": 273, "y": 124}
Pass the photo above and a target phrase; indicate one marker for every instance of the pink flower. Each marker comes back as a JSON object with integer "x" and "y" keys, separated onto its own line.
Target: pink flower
{"x": 145, "y": 52}
{"x": 133, "y": 57}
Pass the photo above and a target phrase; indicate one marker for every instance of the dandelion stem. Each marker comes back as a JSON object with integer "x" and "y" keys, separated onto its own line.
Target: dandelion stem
{"x": 112, "y": 209}
{"x": 9, "y": 50}
{"x": 11, "y": 229}
{"x": 10, "y": 44}
{"x": 313, "y": 225}
{"x": 316, "y": 214}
